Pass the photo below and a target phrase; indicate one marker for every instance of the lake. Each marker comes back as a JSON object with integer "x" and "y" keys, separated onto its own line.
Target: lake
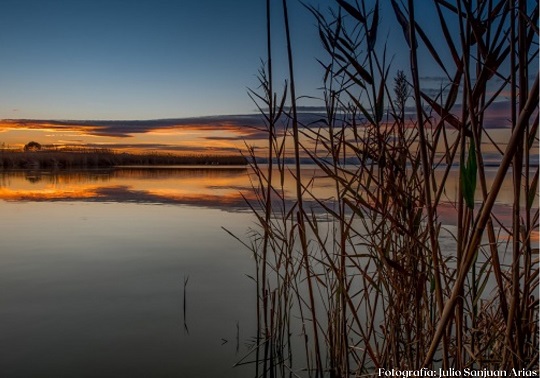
{"x": 128, "y": 272}
{"x": 93, "y": 271}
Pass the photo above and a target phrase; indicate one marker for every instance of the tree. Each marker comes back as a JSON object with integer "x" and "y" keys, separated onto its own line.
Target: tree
{"x": 32, "y": 146}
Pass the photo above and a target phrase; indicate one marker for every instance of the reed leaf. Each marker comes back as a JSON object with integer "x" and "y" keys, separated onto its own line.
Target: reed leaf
{"x": 446, "y": 115}
{"x": 431, "y": 48}
{"x": 484, "y": 273}
{"x": 403, "y": 22}
{"x": 447, "y": 5}
{"x": 532, "y": 191}
{"x": 372, "y": 32}
{"x": 454, "y": 89}
{"x": 447, "y": 36}
{"x": 352, "y": 11}
{"x": 379, "y": 104}
{"x": 532, "y": 133}
{"x": 357, "y": 66}
{"x": 468, "y": 173}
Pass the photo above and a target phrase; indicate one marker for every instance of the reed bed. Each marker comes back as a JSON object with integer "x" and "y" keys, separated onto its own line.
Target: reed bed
{"x": 377, "y": 280}
{"x": 100, "y": 158}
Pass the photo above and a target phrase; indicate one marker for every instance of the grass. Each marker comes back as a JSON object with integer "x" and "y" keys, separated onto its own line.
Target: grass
{"x": 100, "y": 158}
{"x": 380, "y": 281}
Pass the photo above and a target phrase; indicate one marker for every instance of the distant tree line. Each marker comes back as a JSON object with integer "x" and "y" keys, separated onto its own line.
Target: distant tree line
{"x": 34, "y": 156}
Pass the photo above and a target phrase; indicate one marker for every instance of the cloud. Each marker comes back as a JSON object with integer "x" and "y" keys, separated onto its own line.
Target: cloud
{"x": 241, "y": 124}
{"x": 435, "y": 92}
{"x": 225, "y": 137}
{"x": 438, "y": 79}
{"x": 158, "y": 147}
{"x": 313, "y": 109}
{"x": 228, "y": 132}
{"x": 241, "y": 127}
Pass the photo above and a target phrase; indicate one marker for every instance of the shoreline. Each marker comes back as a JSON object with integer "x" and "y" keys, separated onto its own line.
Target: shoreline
{"x": 54, "y": 159}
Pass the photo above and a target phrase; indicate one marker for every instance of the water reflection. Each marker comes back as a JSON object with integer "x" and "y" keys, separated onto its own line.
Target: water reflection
{"x": 219, "y": 188}
{"x": 225, "y": 188}
{"x": 93, "y": 268}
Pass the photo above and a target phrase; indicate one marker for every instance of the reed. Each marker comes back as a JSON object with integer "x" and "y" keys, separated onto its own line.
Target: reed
{"x": 98, "y": 158}
{"x": 184, "y": 304}
{"x": 377, "y": 279}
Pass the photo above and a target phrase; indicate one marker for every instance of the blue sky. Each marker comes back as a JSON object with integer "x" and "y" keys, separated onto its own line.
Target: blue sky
{"x": 155, "y": 59}
{"x": 137, "y": 59}
{"x": 152, "y": 59}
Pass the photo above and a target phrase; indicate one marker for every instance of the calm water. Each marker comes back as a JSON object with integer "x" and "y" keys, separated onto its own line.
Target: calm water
{"x": 93, "y": 264}
{"x": 92, "y": 273}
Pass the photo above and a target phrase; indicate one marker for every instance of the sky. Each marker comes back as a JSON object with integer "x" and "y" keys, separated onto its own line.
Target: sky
{"x": 124, "y": 60}
{"x": 135, "y": 59}
{"x": 192, "y": 62}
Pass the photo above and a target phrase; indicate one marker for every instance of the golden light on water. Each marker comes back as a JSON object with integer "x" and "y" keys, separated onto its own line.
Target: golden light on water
{"x": 198, "y": 187}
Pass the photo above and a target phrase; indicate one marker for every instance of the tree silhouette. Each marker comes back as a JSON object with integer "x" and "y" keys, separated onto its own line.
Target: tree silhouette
{"x": 32, "y": 146}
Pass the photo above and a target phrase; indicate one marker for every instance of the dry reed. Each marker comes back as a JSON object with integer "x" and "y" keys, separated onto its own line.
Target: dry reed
{"x": 380, "y": 281}
{"x": 99, "y": 158}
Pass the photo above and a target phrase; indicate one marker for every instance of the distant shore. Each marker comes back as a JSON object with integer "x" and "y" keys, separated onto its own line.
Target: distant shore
{"x": 95, "y": 158}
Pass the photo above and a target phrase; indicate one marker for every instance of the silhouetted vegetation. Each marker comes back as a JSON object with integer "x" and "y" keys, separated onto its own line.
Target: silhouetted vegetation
{"x": 32, "y": 146}
{"x": 100, "y": 158}
{"x": 382, "y": 282}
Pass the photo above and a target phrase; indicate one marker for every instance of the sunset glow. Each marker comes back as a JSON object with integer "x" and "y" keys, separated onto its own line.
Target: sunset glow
{"x": 178, "y": 139}
{"x": 258, "y": 188}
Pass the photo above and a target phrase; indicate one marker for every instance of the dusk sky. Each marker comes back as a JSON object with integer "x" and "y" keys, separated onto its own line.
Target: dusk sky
{"x": 137, "y": 59}
{"x": 191, "y": 61}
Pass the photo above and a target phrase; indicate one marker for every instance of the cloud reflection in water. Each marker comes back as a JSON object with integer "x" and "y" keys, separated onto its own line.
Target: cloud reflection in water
{"x": 218, "y": 188}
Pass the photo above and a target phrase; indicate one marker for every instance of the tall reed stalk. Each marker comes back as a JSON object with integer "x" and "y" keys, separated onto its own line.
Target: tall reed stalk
{"x": 393, "y": 271}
